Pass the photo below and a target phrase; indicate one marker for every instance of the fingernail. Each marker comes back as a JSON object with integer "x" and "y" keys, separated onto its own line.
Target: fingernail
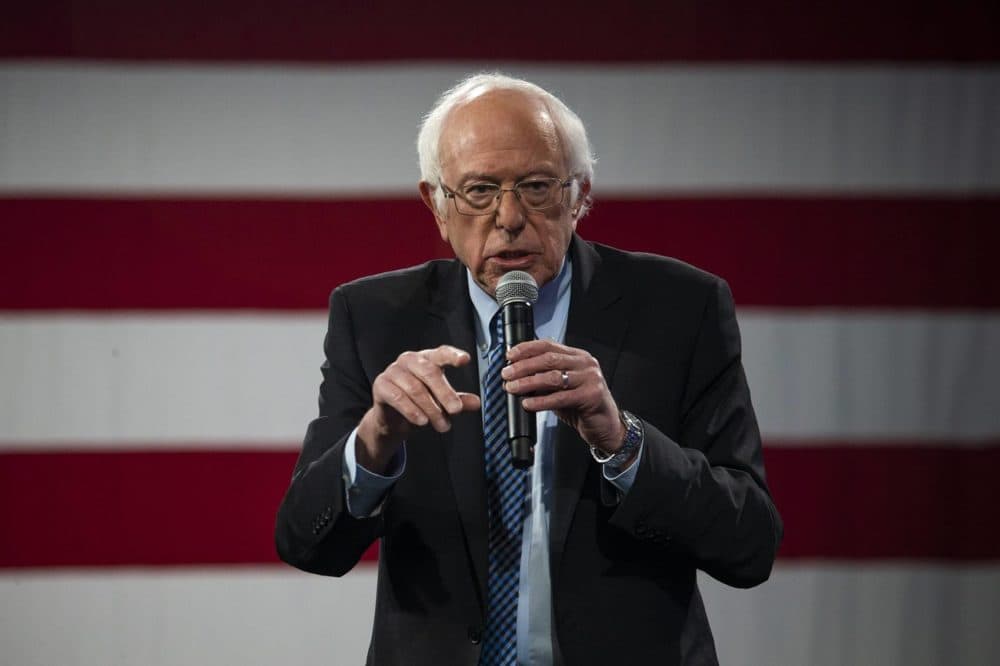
{"x": 506, "y": 372}
{"x": 511, "y": 385}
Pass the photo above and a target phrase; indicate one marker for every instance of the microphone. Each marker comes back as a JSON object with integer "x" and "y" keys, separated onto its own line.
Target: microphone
{"x": 516, "y": 293}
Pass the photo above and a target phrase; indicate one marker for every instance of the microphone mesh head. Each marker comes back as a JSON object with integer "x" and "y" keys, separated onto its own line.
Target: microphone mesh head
{"x": 516, "y": 286}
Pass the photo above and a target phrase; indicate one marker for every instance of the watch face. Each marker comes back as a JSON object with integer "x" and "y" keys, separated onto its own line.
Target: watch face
{"x": 633, "y": 430}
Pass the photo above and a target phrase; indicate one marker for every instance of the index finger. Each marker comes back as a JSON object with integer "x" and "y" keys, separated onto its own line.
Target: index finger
{"x": 532, "y": 348}
{"x": 448, "y": 355}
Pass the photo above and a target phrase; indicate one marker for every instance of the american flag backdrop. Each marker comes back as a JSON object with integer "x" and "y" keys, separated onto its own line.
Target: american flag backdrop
{"x": 183, "y": 183}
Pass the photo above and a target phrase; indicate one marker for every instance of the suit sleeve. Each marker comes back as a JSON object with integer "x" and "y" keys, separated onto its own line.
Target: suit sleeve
{"x": 705, "y": 495}
{"x": 314, "y": 530}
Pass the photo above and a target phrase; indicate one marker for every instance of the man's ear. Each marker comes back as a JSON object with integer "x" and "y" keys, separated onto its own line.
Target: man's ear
{"x": 427, "y": 195}
{"x": 583, "y": 191}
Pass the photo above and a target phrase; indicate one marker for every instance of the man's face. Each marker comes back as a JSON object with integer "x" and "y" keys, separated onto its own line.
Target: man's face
{"x": 503, "y": 137}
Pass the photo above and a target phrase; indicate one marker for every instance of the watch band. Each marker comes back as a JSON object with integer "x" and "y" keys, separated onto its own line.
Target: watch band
{"x": 631, "y": 442}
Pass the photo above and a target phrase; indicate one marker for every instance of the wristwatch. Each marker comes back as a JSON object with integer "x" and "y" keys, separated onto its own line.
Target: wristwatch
{"x": 631, "y": 442}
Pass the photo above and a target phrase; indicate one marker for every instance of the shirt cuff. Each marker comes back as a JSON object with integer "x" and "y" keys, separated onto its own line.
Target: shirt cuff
{"x": 623, "y": 479}
{"x": 365, "y": 490}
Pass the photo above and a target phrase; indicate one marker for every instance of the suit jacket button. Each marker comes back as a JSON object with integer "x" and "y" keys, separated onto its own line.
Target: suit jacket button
{"x": 475, "y": 635}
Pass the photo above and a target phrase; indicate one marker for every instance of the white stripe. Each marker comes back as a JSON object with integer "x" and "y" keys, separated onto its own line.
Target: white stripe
{"x": 842, "y": 375}
{"x": 835, "y": 614}
{"x": 351, "y": 129}
{"x": 806, "y": 614}
{"x": 239, "y": 380}
{"x": 161, "y": 617}
{"x": 248, "y": 379}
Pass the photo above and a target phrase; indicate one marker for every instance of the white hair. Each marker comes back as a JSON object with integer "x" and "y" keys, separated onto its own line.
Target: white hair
{"x": 569, "y": 127}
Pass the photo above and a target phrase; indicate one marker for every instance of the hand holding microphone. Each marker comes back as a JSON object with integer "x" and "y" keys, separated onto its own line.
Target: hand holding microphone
{"x": 545, "y": 375}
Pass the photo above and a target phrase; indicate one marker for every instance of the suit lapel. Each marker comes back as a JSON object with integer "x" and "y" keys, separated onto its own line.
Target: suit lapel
{"x": 463, "y": 444}
{"x": 596, "y": 324}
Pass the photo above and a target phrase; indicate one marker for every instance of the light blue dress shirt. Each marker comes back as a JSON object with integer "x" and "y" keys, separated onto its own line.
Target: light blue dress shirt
{"x": 365, "y": 489}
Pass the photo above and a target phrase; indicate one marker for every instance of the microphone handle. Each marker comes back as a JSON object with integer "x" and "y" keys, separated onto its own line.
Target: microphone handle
{"x": 519, "y": 326}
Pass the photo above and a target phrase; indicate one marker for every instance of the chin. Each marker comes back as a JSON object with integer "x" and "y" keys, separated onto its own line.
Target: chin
{"x": 542, "y": 275}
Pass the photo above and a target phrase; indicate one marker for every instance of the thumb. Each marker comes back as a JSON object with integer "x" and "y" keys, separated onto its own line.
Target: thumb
{"x": 470, "y": 402}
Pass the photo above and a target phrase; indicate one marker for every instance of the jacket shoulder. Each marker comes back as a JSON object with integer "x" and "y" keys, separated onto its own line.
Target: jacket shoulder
{"x": 644, "y": 269}
{"x": 406, "y": 285}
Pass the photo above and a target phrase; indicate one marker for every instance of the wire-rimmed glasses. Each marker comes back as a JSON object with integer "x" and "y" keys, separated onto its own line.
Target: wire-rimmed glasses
{"x": 479, "y": 198}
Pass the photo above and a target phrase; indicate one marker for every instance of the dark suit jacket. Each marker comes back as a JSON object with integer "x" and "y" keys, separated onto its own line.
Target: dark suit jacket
{"x": 623, "y": 569}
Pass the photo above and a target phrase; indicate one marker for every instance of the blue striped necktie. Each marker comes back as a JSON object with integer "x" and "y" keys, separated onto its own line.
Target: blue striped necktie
{"x": 505, "y": 496}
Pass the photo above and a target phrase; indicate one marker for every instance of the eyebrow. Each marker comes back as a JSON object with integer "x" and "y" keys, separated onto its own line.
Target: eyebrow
{"x": 477, "y": 175}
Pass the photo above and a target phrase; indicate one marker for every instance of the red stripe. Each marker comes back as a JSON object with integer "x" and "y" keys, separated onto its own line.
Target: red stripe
{"x": 157, "y": 254}
{"x": 106, "y": 509}
{"x": 140, "y": 508}
{"x": 868, "y": 501}
{"x": 318, "y": 30}
{"x": 848, "y": 502}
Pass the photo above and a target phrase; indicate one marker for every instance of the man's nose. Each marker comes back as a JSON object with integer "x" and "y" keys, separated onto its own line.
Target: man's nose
{"x": 510, "y": 214}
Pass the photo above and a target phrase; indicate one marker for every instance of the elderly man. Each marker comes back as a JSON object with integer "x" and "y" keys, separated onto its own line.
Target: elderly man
{"x": 648, "y": 460}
